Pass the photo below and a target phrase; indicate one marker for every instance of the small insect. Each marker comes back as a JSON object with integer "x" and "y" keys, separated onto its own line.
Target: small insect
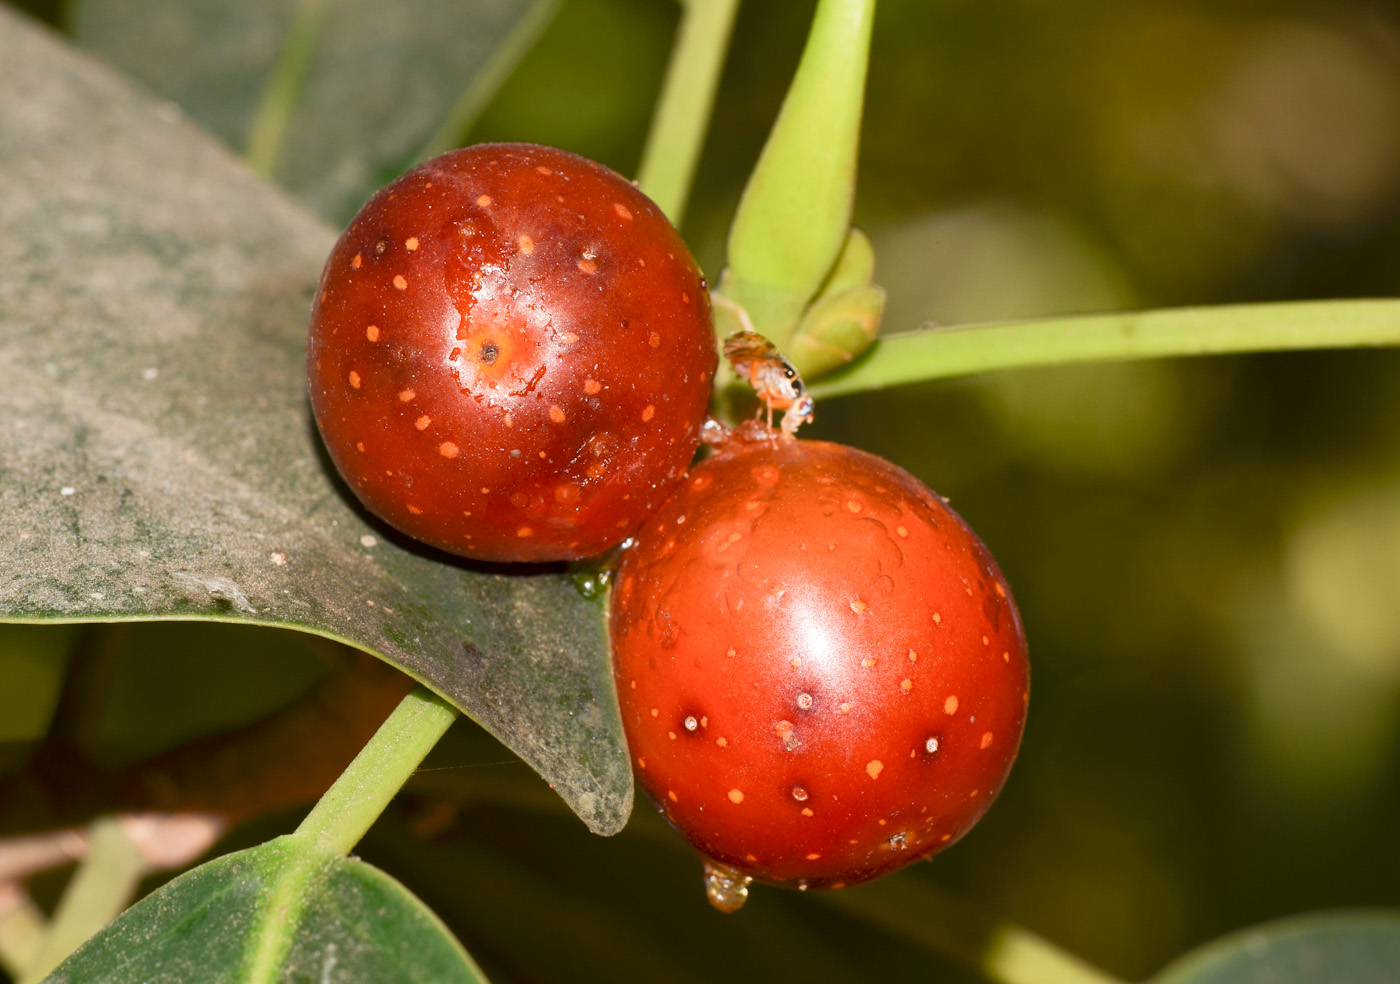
{"x": 775, "y": 379}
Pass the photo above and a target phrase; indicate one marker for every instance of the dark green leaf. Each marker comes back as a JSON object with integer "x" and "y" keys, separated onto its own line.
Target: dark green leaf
{"x": 347, "y": 922}
{"x": 157, "y": 456}
{"x": 380, "y": 77}
{"x": 1339, "y": 948}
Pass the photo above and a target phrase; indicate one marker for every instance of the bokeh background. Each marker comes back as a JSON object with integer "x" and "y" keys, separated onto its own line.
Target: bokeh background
{"x": 1206, "y": 552}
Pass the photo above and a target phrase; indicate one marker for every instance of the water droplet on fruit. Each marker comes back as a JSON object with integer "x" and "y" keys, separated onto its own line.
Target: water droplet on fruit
{"x": 899, "y": 842}
{"x": 799, "y": 794}
{"x": 931, "y": 745}
{"x": 690, "y": 723}
{"x": 726, "y": 888}
{"x": 804, "y": 701}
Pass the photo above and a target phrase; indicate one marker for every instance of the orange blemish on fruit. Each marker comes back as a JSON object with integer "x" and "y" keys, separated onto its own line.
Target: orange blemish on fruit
{"x": 372, "y": 333}
{"x": 354, "y": 379}
{"x": 587, "y": 265}
{"x": 591, "y": 387}
{"x": 400, "y": 282}
{"x": 671, "y": 795}
{"x": 950, "y": 706}
{"x": 556, "y": 413}
{"x": 736, "y": 796}
{"x": 355, "y": 263}
{"x": 406, "y": 395}
{"x": 422, "y": 422}
{"x": 447, "y": 449}
{"x": 411, "y": 243}
{"x": 649, "y": 412}
{"x": 414, "y": 509}
{"x": 858, "y": 606}
{"x": 622, "y": 210}
{"x": 906, "y": 685}
{"x": 524, "y": 532}
{"x": 526, "y": 244}
{"x": 874, "y": 767}
{"x": 483, "y": 200}
{"x": 654, "y": 340}
{"x": 987, "y": 740}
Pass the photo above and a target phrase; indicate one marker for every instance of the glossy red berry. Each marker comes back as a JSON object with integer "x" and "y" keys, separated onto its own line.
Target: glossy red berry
{"x": 822, "y": 672}
{"x": 511, "y": 354}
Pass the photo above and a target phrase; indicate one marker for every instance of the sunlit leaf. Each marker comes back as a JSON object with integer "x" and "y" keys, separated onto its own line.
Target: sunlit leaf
{"x": 1341, "y": 948}
{"x": 157, "y": 456}
{"x": 379, "y": 79}
{"x": 274, "y": 914}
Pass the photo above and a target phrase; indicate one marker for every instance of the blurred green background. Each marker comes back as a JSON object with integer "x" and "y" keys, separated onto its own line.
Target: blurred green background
{"x": 1206, "y": 552}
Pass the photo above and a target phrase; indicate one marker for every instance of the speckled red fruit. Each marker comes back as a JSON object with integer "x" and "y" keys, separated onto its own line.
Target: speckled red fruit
{"x": 511, "y": 354}
{"x": 822, "y": 672}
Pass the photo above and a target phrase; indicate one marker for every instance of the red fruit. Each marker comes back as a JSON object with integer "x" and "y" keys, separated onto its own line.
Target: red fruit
{"x": 511, "y": 354}
{"x": 822, "y": 672}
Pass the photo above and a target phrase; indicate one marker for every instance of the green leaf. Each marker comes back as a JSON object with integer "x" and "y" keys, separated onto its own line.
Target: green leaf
{"x": 1339, "y": 948}
{"x": 157, "y": 455}
{"x": 793, "y": 217}
{"x": 341, "y": 95}
{"x": 941, "y": 353}
{"x": 274, "y": 913}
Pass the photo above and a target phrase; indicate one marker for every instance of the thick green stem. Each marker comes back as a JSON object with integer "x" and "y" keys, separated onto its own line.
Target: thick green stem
{"x": 1002, "y": 951}
{"x": 284, "y": 86}
{"x": 683, "y": 111}
{"x": 488, "y": 81}
{"x": 102, "y": 887}
{"x": 940, "y": 353}
{"x": 341, "y": 817}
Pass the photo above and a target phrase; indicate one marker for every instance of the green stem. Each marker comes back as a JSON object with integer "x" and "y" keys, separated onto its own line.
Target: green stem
{"x": 1002, "y": 951}
{"x": 284, "y": 86}
{"x": 940, "y": 353}
{"x": 100, "y": 889}
{"x": 341, "y": 817}
{"x": 683, "y": 111}
{"x": 22, "y": 928}
{"x": 487, "y": 82}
